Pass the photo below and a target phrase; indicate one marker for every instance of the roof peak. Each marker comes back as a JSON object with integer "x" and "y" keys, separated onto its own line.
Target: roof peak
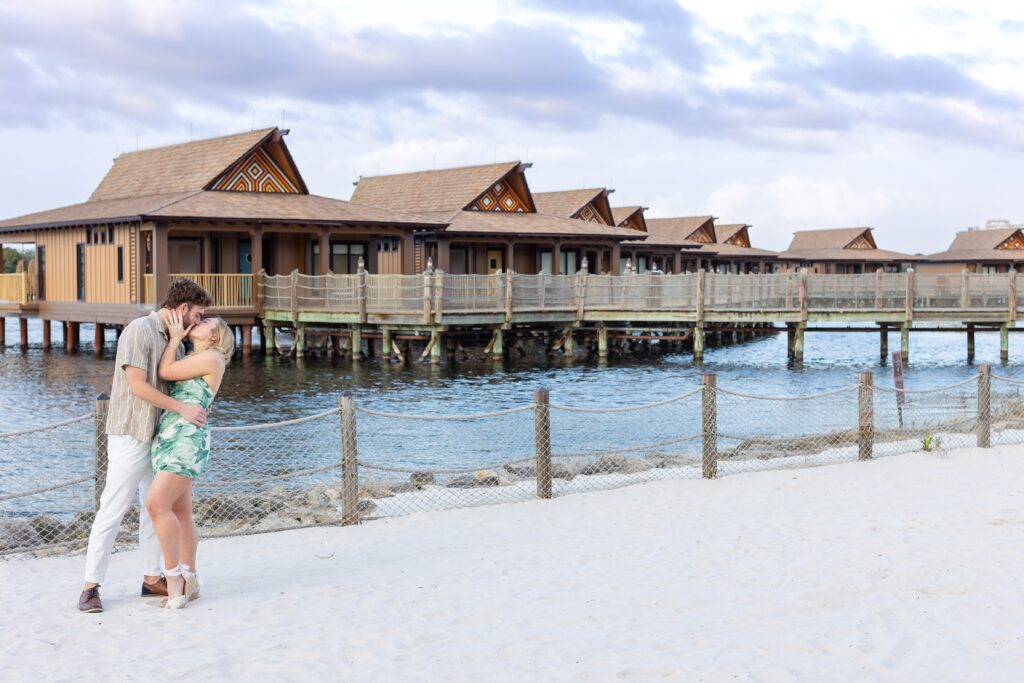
{"x": 257, "y": 131}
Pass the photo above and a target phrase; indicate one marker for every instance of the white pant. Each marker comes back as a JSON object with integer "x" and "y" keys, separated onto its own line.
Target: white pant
{"x": 129, "y": 469}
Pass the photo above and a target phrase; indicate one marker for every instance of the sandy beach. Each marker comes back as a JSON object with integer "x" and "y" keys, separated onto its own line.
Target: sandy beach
{"x": 906, "y": 568}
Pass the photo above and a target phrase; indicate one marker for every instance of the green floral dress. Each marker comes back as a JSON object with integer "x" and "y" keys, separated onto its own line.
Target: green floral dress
{"x": 180, "y": 447}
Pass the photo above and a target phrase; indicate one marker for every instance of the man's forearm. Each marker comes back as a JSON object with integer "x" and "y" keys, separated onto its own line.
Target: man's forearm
{"x": 153, "y": 396}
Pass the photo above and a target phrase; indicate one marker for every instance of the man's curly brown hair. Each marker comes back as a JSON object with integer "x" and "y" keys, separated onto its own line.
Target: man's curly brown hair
{"x": 185, "y": 291}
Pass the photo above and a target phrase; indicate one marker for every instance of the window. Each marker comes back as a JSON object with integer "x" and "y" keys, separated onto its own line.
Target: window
{"x": 345, "y": 257}
{"x": 120, "y": 263}
{"x": 570, "y": 263}
{"x": 546, "y": 266}
{"x": 641, "y": 264}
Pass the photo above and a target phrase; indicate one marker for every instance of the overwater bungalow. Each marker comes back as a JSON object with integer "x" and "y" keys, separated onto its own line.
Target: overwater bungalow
{"x": 734, "y": 254}
{"x": 991, "y": 250}
{"x": 216, "y": 210}
{"x": 494, "y": 223}
{"x": 842, "y": 251}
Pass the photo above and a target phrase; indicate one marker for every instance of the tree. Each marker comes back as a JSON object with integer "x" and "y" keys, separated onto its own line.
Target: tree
{"x": 13, "y": 256}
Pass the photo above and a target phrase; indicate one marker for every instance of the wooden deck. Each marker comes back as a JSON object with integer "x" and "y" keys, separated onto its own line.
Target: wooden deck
{"x": 436, "y": 302}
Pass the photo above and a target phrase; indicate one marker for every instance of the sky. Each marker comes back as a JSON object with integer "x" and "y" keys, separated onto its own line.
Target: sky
{"x": 902, "y": 116}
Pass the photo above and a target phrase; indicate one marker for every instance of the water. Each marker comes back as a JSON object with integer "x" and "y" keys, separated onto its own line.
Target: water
{"x": 39, "y": 388}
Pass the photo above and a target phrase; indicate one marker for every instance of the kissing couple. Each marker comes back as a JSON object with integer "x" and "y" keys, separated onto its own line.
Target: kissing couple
{"x": 158, "y": 442}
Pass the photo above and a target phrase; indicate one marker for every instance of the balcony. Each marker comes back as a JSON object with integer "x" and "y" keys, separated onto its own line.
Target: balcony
{"x": 228, "y": 290}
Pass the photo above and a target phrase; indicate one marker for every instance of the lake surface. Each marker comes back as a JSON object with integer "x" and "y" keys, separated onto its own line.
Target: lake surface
{"x": 39, "y": 388}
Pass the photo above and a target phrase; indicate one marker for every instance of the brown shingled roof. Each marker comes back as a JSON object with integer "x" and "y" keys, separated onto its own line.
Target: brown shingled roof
{"x": 185, "y": 167}
{"x": 534, "y": 224}
{"x": 267, "y": 206}
{"x": 723, "y": 233}
{"x": 980, "y": 245}
{"x": 448, "y": 189}
{"x": 623, "y": 213}
{"x": 676, "y": 230}
{"x": 831, "y": 245}
{"x": 565, "y": 203}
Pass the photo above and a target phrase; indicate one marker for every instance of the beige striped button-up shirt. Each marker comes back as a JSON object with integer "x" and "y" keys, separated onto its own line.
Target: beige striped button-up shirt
{"x": 141, "y": 345}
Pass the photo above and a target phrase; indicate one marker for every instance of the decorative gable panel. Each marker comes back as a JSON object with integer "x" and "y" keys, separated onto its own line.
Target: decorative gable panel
{"x": 740, "y": 239}
{"x": 589, "y": 214}
{"x": 256, "y": 173}
{"x": 1014, "y": 242}
{"x": 702, "y": 235}
{"x": 862, "y": 242}
{"x": 500, "y": 197}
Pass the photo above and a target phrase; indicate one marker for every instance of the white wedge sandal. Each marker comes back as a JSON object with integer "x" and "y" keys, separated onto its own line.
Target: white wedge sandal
{"x": 180, "y": 601}
{"x": 191, "y": 582}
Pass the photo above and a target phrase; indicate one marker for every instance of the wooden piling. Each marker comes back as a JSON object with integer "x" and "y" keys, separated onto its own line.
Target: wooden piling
{"x": 498, "y": 347}
{"x": 435, "y": 348}
{"x": 3, "y": 331}
{"x": 386, "y": 343}
{"x": 349, "y": 461}
{"x": 798, "y": 342}
{"x": 698, "y": 342}
{"x": 542, "y": 439}
{"x": 569, "y": 345}
{"x": 883, "y": 341}
{"x": 246, "y": 340}
{"x": 46, "y": 334}
{"x": 98, "y": 337}
{"x": 709, "y": 426}
{"x": 72, "y": 337}
{"x": 905, "y": 341}
{"x": 1004, "y": 342}
{"x": 300, "y": 340}
{"x": 866, "y": 416}
{"x": 970, "y": 342}
{"x": 357, "y": 343}
{"x": 23, "y": 332}
{"x": 984, "y": 406}
{"x": 602, "y": 341}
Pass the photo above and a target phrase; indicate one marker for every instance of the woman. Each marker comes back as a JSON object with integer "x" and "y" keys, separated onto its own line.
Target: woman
{"x": 180, "y": 449}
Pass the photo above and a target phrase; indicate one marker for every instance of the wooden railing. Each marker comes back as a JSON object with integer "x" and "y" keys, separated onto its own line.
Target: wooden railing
{"x": 431, "y": 295}
{"x": 228, "y": 290}
{"x": 16, "y": 288}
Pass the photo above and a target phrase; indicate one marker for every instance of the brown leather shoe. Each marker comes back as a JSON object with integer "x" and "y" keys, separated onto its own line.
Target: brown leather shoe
{"x": 90, "y": 601}
{"x": 154, "y": 590}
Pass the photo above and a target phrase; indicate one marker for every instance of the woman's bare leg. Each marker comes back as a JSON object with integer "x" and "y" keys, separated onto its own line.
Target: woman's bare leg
{"x": 164, "y": 493}
{"x": 188, "y": 537}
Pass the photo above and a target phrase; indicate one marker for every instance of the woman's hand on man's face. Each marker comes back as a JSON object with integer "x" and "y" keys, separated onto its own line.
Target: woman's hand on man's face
{"x": 176, "y": 326}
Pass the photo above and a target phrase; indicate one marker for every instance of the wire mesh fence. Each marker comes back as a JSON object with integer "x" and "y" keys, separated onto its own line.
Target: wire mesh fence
{"x": 354, "y": 463}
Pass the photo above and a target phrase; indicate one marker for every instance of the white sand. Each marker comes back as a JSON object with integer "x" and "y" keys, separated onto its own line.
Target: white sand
{"x": 902, "y": 569}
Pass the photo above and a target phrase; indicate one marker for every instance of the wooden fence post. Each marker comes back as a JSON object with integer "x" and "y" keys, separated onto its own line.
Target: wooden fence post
{"x": 866, "y": 416}
{"x": 581, "y": 290}
{"x": 261, "y": 284}
{"x": 709, "y": 425}
{"x": 801, "y": 292}
{"x": 542, "y": 433}
{"x": 100, "y": 453}
{"x": 910, "y": 295}
{"x": 879, "y": 279}
{"x": 1012, "y": 294}
{"x": 984, "y": 406}
{"x": 699, "y": 304}
{"x": 439, "y": 295}
{"x": 349, "y": 461}
{"x": 509, "y": 277}
{"x": 428, "y": 297}
{"x": 361, "y": 289}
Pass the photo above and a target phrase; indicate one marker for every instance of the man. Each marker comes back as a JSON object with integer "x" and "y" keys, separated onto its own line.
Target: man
{"x": 136, "y": 398}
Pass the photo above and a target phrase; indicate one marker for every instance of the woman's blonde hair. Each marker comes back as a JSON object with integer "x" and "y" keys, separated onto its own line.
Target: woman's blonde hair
{"x": 225, "y": 344}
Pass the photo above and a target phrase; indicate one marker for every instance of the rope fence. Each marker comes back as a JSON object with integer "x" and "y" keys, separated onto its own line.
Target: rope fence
{"x": 352, "y": 464}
